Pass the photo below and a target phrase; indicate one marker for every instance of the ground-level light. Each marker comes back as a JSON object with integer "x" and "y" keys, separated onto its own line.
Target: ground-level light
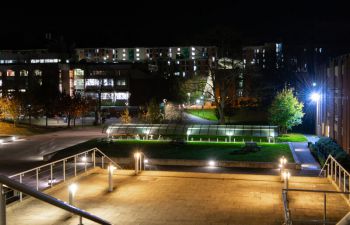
{"x": 211, "y": 163}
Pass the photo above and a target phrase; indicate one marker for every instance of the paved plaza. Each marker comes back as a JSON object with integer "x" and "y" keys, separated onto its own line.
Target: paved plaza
{"x": 174, "y": 198}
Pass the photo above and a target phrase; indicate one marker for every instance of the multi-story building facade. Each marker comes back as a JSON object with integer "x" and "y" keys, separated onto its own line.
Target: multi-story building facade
{"x": 182, "y": 61}
{"x": 26, "y": 71}
{"x": 264, "y": 57}
{"x": 333, "y": 113}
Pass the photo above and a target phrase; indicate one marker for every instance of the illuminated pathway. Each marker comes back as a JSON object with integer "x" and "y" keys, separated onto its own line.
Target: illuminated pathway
{"x": 304, "y": 156}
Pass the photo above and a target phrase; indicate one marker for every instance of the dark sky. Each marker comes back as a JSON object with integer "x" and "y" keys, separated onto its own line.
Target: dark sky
{"x": 130, "y": 23}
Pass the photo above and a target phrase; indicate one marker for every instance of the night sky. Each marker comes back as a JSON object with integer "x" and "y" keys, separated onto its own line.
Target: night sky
{"x": 175, "y": 23}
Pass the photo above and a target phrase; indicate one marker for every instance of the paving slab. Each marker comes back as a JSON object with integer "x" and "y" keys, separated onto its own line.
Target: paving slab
{"x": 158, "y": 198}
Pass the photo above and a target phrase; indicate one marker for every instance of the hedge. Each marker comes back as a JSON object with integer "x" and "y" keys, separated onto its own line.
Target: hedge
{"x": 326, "y": 146}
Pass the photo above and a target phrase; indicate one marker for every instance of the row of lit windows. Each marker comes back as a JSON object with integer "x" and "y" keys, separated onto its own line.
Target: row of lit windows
{"x": 104, "y": 82}
{"x": 22, "y": 73}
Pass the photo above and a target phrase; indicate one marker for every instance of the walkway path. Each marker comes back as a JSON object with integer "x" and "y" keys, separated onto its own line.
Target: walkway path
{"x": 28, "y": 152}
{"x": 197, "y": 120}
{"x": 304, "y": 156}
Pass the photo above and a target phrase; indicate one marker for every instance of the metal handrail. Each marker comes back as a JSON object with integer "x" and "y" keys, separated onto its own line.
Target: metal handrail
{"x": 65, "y": 159}
{"x": 50, "y": 172}
{"x": 287, "y": 215}
{"x": 50, "y": 200}
{"x": 317, "y": 191}
{"x": 331, "y": 158}
{"x": 104, "y": 155}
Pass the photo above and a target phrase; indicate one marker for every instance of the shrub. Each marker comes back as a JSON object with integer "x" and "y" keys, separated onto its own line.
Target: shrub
{"x": 326, "y": 146}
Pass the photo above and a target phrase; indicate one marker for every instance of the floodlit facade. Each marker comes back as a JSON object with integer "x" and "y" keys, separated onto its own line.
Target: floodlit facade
{"x": 333, "y": 113}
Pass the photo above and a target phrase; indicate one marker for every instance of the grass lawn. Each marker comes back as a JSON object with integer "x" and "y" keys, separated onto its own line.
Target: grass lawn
{"x": 291, "y": 138}
{"x": 208, "y": 114}
{"x": 193, "y": 150}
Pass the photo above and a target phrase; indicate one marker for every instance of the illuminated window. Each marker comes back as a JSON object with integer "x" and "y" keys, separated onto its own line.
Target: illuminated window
{"x": 0, "y": 82}
{"x": 137, "y": 50}
{"x": 23, "y": 73}
{"x": 92, "y": 82}
{"x": 121, "y": 82}
{"x": 193, "y": 53}
{"x": 10, "y": 73}
{"x": 108, "y": 82}
{"x": 124, "y": 55}
{"x": 38, "y": 72}
{"x": 123, "y": 49}
{"x": 169, "y": 63}
{"x": 193, "y": 49}
{"x": 137, "y": 54}
{"x": 177, "y": 62}
{"x": 178, "y": 49}
{"x": 194, "y": 68}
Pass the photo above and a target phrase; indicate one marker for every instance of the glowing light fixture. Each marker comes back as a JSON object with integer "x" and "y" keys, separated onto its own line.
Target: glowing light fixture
{"x": 315, "y": 96}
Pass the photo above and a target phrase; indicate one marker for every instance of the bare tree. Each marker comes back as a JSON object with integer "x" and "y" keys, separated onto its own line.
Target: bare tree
{"x": 221, "y": 83}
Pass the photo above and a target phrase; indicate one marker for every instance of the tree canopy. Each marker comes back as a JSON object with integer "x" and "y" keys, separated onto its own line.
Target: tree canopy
{"x": 286, "y": 111}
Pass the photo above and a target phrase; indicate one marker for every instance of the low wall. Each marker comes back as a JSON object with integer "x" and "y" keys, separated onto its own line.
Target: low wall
{"x": 184, "y": 162}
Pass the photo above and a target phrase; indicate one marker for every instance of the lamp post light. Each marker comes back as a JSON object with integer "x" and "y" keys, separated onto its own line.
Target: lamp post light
{"x": 189, "y": 98}
{"x": 283, "y": 162}
{"x": 111, "y": 169}
{"x": 188, "y": 135}
{"x": 316, "y": 97}
{"x": 137, "y": 157}
{"x": 108, "y": 132}
{"x": 286, "y": 176}
{"x": 72, "y": 189}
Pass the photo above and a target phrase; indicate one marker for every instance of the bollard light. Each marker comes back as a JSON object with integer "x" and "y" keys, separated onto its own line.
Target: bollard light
{"x": 283, "y": 161}
{"x": 84, "y": 159}
{"x": 13, "y": 138}
{"x": 72, "y": 189}
{"x": 211, "y": 163}
{"x": 286, "y": 176}
{"x": 111, "y": 169}
{"x": 137, "y": 156}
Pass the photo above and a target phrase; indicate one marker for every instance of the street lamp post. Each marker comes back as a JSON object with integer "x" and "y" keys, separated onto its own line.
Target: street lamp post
{"x": 72, "y": 189}
{"x": 189, "y": 98}
{"x": 111, "y": 168}
{"x": 316, "y": 97}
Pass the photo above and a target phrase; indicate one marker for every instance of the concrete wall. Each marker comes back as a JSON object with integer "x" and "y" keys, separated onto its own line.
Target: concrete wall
{"x": 184, "y": 162}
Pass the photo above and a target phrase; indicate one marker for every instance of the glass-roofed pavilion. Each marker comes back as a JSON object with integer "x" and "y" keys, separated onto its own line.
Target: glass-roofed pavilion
{"x": 191, "y": 130}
